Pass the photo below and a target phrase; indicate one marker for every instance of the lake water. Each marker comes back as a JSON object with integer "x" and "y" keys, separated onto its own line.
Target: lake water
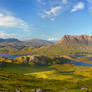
{"x": 80, "y": 63}
{"x": 11, "y": 56}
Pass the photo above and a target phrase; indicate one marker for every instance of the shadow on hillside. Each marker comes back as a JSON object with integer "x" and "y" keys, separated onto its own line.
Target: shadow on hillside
{"x": 24, "y": 68}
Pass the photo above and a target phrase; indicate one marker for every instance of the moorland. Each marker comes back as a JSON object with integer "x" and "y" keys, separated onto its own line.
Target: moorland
{"x": 64, "y": 66}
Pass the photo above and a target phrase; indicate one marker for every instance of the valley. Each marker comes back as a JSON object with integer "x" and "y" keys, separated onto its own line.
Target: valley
{"x": 64, "y": 66}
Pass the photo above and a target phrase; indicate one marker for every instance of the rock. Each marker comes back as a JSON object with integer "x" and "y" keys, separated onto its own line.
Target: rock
{"x": 38, "y": 90}
{"x": 64, "y": 90}
{"x": 37, "y": 77}
{"x": 33, "y": 90}
{"x": 18, "y": 90}
{"x": 84, "y": 88}
{"x": 6, "y": 76}
{"x": 75, "y": 82}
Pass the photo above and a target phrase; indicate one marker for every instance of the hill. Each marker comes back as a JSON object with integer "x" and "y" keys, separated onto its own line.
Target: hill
{"x": 77, "y": 39}
{"x": 69, "y": 44}
{"x": 9, "y": 40}
{"x": 35, "y": 60}
{"x": 37, "y": 42}
{"x": 11, "y": 45}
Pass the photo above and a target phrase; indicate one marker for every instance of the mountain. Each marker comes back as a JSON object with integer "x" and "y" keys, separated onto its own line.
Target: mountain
{"x": 69, "y": 44}
{"x": 13, "y": 46}
{"x": 37, "y": 42}
{"x": 77, "y": 39}
{"x": 9, "y": 40}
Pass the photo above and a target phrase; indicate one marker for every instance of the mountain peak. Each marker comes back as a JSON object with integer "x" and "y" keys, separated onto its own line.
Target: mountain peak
{"x": 85, "y": 39}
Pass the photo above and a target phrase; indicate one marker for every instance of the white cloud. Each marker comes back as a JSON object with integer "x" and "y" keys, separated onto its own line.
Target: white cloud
{"x": 64, "y": 1}
{"x": 5, "y": 35}
{"x": 89, "y": 5}
{"x": 52, "y": 13}
{"x": 52, "y": 19}
{"x": 41, "y": 2}
{"x": 52, "y": 39}
{"x": 78, "y": 6}
{"x": 11, "y": 21}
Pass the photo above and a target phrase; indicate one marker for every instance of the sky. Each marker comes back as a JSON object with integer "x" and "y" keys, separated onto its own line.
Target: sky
{"x": 45, "y": 19}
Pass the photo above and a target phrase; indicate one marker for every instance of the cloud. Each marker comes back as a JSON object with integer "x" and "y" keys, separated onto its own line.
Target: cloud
{"x": 64, "y": 1}
{"x": 55, "y": 8}
{"x": 52, "y": 39}
{"x": 78, "y": 6}
{"x": 89, "y": 5}
{"x": 12, "y": 21}
{"x": 52, "y": 13}
{"x": 5, "y": 35}
{"x": 41, "y": 2}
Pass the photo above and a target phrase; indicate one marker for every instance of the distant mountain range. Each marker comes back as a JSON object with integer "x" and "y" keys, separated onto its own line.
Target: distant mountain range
{"x": 9, "y": 40}
{"x": 37, "y": 42}
{"x": 68, "y": 45}
{"x": 13, "y": 45}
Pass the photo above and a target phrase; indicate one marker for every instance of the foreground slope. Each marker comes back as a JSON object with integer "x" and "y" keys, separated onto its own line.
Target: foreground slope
{"x": 63, "y": 78}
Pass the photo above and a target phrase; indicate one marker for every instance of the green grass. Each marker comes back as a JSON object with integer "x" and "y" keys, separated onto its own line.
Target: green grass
{"x": 49, "y": 80}
{"x": 18, "y": 68}
{"x": 65, "y": 72}
{"x": 56, "y": 72}
{"x": 84, "y": 59}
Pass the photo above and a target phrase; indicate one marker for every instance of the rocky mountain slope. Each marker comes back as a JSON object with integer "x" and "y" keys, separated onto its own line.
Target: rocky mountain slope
{"x": 78, "y": 39}
{"x": 69, "y": 44}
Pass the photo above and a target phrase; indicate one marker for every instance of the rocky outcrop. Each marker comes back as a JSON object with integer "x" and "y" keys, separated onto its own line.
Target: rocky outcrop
{"x": 78, "y": 39}
{"x": 41, "y": 60}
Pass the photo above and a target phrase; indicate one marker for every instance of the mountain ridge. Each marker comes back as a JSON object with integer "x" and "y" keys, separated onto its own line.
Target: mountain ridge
{"x": 12, "y": 45}
{"x": 69, "y": 44}
{"x": 38, "y": 42}
{"x": 9, "y": 40}
{"x": 84, "y": 39}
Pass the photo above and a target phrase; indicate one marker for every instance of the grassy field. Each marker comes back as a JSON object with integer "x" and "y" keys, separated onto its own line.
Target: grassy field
{"x": 84, "y": 59}
{"x": 23, "y": 69}
{"x": 65, "y": 72}
{"x": 55, "y": 78}
{"x": 12, "y": 82}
